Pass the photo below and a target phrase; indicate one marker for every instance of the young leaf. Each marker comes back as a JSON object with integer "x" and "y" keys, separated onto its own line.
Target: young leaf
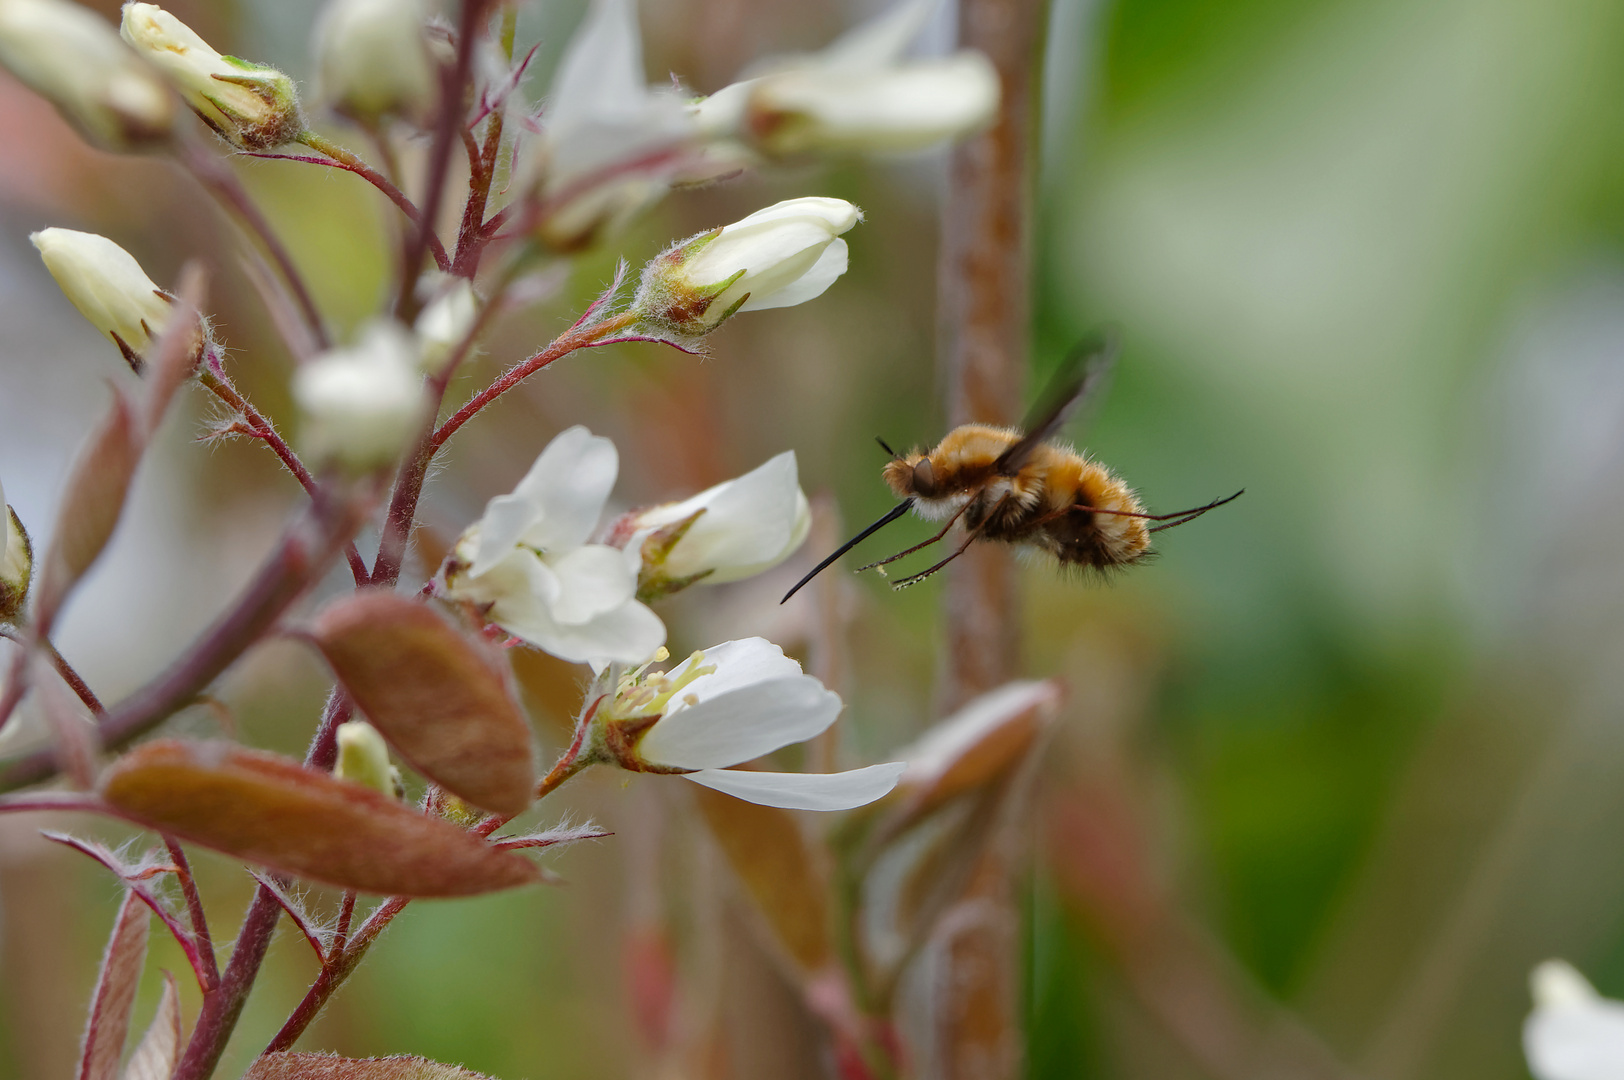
{"x": 91, "y": 504}
{"x": 154, "y": 1058}
{"x": 440, "y": 699}
{"x": 114, "y": 998}
{"x": 271, "y": 810}
{"x": 776, "y": 865}
{"x": 328, "y": 1067}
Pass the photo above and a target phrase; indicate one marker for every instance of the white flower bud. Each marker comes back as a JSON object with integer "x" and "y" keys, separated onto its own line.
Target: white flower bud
{"x": 371, "y": 59}
{"x": 1573, "y": 1033}
{"x": 108, "y": 287}
{"x": 361, "y": 405}
{"x": 363, "y": 758}
{"x": 76, "y": 61}
{"x": 726, "y": 533}
{"x": 444, "y": 322}
{"x": 16, "y": 563}
{"x": 858, "y": 95}
{"x": 250, "y": 105}
{"x": 784, "y": 255}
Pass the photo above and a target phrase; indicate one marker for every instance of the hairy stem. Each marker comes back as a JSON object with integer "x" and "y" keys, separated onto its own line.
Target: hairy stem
{"x": 260, "y": 427}
{"x": 224, "y": 1004}
{"x": 215, "y": 175}
{"x": 194, "y": 911}
{"x": 345, "y": 159}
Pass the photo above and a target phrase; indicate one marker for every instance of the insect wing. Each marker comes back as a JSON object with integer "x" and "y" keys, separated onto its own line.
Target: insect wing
{"x": 1082, "y": 375}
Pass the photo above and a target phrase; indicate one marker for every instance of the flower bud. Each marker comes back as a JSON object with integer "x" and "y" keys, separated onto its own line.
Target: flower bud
{"x": 16, "y": 564}
{"x": 371, "y": 59}
{"x": 784, "y": 255}
{"x": 362, "y": 404}
{"x": 363, "y": 758}
{"x": 108, "y": 287}
{"x": 75, "y": 60}
{"x": 249, "y": 105}
{"x": 858, "y": 95}
{"x": 444, "y": 322}
{"x": 726, "y": 533}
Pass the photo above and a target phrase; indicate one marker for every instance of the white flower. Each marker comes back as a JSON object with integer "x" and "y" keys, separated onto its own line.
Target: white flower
{"x": 528, "y": 561}
{"x": 858, "y": 94}
{"x": 363, "y": 403}
{"x": 1573, "y": 1033}
{"x": 737, "y": 529}
{"x": 76, "y": 61}
{"x": 787, "y": 254}
{"x": 253, "y": 106}
{"x": 16, "y": 562}
{"x": 727, "y": 705}
{"x": 371, "y": 59}
{"x": 444, "y": 322}
{"x": 602, "y": 118}
{"x": 108, "y": 287}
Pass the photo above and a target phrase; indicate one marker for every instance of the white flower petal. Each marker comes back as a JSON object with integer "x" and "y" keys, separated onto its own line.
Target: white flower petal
{"x": 594, "y": 579}
{"x": 601, "y": 72}
{"x": 804, "y": 791}
{"x": 837, "y": 215}
{"x": 557, "y": 504}
{"x": 628, "y": 634}
{"x": 741, "y": 724}
{"x": 814, "y": 282}
{"x": 749, "y": 524}
{"x": 737, "y": 663}
{"x": 881, "y": 40}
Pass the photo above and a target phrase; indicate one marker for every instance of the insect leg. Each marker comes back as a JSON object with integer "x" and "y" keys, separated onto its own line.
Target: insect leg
{"x": 903, "y": 583}
{"x": 1190, "y": 515}
{"x": 893, "y": 558}
{"x": 1182, "y": 516}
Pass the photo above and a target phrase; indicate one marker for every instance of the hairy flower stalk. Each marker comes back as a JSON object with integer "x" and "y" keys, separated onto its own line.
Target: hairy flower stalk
{"x": 110, "y": 290}
{"x": 784, "y": 255}
{"x": 75, "y": 60}
{"x": 249, "y": 105}
{"x": 858, "y": 95}
{"x": 724, "y": 706}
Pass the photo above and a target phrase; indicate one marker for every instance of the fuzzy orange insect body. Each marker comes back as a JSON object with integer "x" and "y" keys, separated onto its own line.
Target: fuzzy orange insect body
{"x": 1051, "y": 503}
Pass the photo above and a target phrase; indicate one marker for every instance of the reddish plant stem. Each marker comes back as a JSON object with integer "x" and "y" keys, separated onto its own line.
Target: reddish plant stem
{"x": 346, "y": 956}
{"x": 452, "y": 110}
{"x": 346, "y": 914}
{"x": 215, "y": 175}
{"x": 261, "y": 428}
{"x": 75, "y": 681}
{"x": 295, "y": 564}
{"x": 471, "y": 238}
{"x": 223, "y": 1005}
{"x": 194, "y": 910}
{"x": 576, "y": 337}
{"x": 341, "y": 158}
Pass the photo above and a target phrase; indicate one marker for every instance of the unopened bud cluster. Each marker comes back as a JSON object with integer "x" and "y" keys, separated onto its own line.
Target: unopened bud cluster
{"x": 784, "y": 255}
{"x": 250, "y": 105}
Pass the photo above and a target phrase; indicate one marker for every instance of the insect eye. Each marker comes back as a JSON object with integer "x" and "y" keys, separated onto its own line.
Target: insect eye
{"x": 924, "y": 477}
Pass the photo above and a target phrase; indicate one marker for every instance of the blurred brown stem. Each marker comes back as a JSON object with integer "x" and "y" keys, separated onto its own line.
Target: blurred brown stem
{"x": 982, "y": 312}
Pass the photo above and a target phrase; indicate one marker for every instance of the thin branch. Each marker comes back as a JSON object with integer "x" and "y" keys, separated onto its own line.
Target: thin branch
{"x": 338, "y": 157}
{"x": 261, "y": 428}
{"x": 217, "y": 177}
{"x": 75, "y": 681}
{"x": 194, "y": 909}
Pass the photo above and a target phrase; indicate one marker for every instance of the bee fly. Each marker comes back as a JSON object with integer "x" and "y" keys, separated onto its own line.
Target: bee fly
{"x": 1023, "y": 488}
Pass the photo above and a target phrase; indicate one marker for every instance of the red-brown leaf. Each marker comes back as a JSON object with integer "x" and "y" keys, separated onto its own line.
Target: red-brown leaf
{"x": 91, "y": 504}
{"x": 328, "y": 1067}
{"x": 271, "y": 810}
{"x": 440, "y": 699}
{"x": 114, "y": 999}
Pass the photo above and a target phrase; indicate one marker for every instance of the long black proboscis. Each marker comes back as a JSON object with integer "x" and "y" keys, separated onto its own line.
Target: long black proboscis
{"x": 891, "y": 515}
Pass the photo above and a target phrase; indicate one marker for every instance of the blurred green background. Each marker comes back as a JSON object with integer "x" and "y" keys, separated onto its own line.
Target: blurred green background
{"x": 1363, "y": 729}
